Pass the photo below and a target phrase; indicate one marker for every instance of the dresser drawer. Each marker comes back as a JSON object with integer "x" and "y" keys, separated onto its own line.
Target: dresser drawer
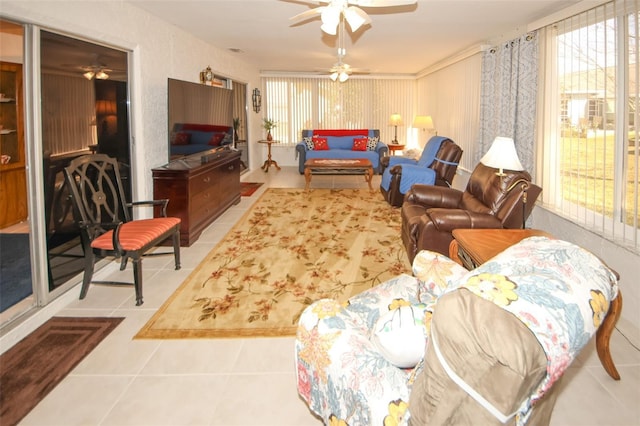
{"x": 202, "y": 181}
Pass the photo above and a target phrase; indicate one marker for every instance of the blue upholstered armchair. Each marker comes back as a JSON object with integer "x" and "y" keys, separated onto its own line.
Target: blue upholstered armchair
{"x": 436, "y": 166}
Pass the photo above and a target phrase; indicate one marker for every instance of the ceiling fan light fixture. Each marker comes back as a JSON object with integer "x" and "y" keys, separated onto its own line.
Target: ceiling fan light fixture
{"x": 356, "y": 17}
{"x": 343, "y": 77}
{"x": 330, "y": 18}
{"x": 101, "y": 75}
{"x": 88, "y": 75}
{"x": 334, "y": 76}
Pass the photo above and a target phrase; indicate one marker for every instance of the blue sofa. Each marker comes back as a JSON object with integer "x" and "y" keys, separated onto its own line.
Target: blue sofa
{"x": 341, "y": 144}
{"x": 189, "y": 138}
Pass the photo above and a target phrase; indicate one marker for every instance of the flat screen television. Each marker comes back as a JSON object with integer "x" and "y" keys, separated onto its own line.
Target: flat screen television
{"x": 200, "y": 117}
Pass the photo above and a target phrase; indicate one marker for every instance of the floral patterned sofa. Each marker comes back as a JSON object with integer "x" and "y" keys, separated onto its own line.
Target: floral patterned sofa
{"x": 497, "y": 339}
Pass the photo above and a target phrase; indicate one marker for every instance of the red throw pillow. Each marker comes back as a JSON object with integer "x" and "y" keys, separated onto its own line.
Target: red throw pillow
{"x": 216, "y": 139}
{"x": 182, "y": 138}
{"x": 320, "y": 144}
{"x": 359, "y": 144}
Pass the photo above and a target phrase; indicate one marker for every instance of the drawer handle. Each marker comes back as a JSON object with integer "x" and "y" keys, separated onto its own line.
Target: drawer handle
{"x": 207, "y": 179}
{"x": 231, "y": 167}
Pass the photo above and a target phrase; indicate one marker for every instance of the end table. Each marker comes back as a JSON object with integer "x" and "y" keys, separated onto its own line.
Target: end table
{"x": 393, "y": 147}
{"x": 269, "y": 161}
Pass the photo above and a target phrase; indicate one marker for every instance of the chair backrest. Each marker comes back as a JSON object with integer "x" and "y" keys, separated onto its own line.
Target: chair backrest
{"x": 442, "y": 155}
{"x": 97, "y": 192}
{"x": 446, "y": 161}
{"x": 500, "y": 196}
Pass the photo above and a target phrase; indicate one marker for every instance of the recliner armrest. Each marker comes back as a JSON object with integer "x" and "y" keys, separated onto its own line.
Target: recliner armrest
{"x": 450, "y": 219}
{"x": 433, "y": 196}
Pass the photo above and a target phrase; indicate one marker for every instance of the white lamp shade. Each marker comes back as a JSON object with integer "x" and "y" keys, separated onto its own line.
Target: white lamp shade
{"x": 330, "y": 18}
{"x": 356, "y": 17}
{"x": 343, "y": 77}
{"x": 395, "y": 120}
{"x": 334, "y": 76}
{"x": 423, "y": 122}
{"x": 101, "y": 75}
{"x": 502, "y": 155}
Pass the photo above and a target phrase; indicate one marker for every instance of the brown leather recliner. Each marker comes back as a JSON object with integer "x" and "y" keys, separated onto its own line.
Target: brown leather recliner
{"x": 431, "y": 213}
{"x": 445, "y": 165}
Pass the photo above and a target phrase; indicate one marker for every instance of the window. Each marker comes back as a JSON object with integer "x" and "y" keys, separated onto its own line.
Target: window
{"x": 591, "y": 150}
{"x": 298, "y": 103}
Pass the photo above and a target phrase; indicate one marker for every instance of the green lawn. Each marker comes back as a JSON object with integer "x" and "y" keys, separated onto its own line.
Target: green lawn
{"x": 587, "y": 171}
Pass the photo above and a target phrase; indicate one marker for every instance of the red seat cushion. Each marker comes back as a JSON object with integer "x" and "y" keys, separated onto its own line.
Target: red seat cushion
{"x": 136, "y": 234}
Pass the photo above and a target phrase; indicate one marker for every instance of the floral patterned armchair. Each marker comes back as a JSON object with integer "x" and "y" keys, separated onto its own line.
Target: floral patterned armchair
{"x": 497, "y": 339}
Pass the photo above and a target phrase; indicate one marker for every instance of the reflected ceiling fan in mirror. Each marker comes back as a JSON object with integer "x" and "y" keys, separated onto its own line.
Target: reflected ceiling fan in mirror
{"x": 350, "y": 10}
{"x": 97, "y": 69}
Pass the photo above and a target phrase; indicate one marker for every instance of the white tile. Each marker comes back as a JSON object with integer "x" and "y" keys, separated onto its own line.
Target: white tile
{"x": 266, "y": 355}
{"x": 194, "y": 356}
{"x": 119, "y": 353}
{"x": 583, "y": 402}
{"x": 268, "y": 399}
{"x": 169, "y": 400}
{"x": 78, "y": 400}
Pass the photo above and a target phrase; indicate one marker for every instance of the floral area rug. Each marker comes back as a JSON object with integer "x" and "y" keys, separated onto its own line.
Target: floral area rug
{"x": 290, "y": 249}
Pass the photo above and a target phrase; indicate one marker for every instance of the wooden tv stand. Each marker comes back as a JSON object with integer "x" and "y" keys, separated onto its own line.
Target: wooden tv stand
{"x": 200, "y": 188}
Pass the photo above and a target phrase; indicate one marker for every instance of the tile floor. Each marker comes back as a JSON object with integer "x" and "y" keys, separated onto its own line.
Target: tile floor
{"x": 252, "y": 381}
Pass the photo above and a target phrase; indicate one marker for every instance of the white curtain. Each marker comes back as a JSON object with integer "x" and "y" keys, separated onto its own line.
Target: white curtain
{"x": 508, "y": 100}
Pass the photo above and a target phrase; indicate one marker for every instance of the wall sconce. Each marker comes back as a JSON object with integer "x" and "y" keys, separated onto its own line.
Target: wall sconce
{"x": 257, "y": 100}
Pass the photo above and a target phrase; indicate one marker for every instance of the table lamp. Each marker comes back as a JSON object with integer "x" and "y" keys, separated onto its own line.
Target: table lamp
{"x": 424, "y": 122}
{"x": 502, "y": 155}
{"x": 395, "y": 120}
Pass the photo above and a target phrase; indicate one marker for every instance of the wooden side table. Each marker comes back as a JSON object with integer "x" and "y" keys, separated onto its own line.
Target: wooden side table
{"x": 473, "y": 247}
{"x": 269, "y": 161}
{"x": 393, "y": 147}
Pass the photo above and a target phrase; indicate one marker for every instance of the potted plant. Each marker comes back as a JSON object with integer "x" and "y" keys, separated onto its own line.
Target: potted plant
{"x": 268, "y": 124}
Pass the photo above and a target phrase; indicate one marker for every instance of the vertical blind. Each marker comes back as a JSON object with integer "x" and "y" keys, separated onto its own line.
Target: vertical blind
{"x": 591, "y": 150}
{"x": 298, "y": 103}
{"x": 451, "y": 96}
{"x": 68, "y": 114}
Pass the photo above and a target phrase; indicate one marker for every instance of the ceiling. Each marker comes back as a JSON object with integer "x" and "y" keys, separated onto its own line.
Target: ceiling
{"x": 399, "y": 40}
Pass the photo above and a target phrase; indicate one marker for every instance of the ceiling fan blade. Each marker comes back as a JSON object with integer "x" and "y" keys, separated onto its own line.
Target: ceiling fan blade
{"x": 381, "y": 3}
{"x": 309, "y": 14}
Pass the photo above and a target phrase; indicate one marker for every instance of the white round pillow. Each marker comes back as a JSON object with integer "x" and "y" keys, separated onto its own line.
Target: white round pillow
{"x": 399, "y": 335}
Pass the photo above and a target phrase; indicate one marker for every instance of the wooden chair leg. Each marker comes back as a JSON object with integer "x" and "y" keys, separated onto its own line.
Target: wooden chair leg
{"x": 137, "y": 279}
{"x": 603, "y": 336}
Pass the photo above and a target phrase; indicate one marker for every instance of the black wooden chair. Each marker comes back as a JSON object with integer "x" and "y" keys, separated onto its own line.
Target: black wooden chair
{"x": 104, "y": 217}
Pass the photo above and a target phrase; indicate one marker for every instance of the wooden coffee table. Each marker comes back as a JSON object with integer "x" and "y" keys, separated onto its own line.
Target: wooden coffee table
{"x": 473, "y": 247}
{"x": 331, "y": 166}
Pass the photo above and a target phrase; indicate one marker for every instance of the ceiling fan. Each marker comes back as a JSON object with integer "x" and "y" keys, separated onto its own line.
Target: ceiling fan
{"x": 334, "y": 10}
{"x": 96, "y": 69}
{"x": 99, "y": 72}
{"x": 340, "y": 71}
